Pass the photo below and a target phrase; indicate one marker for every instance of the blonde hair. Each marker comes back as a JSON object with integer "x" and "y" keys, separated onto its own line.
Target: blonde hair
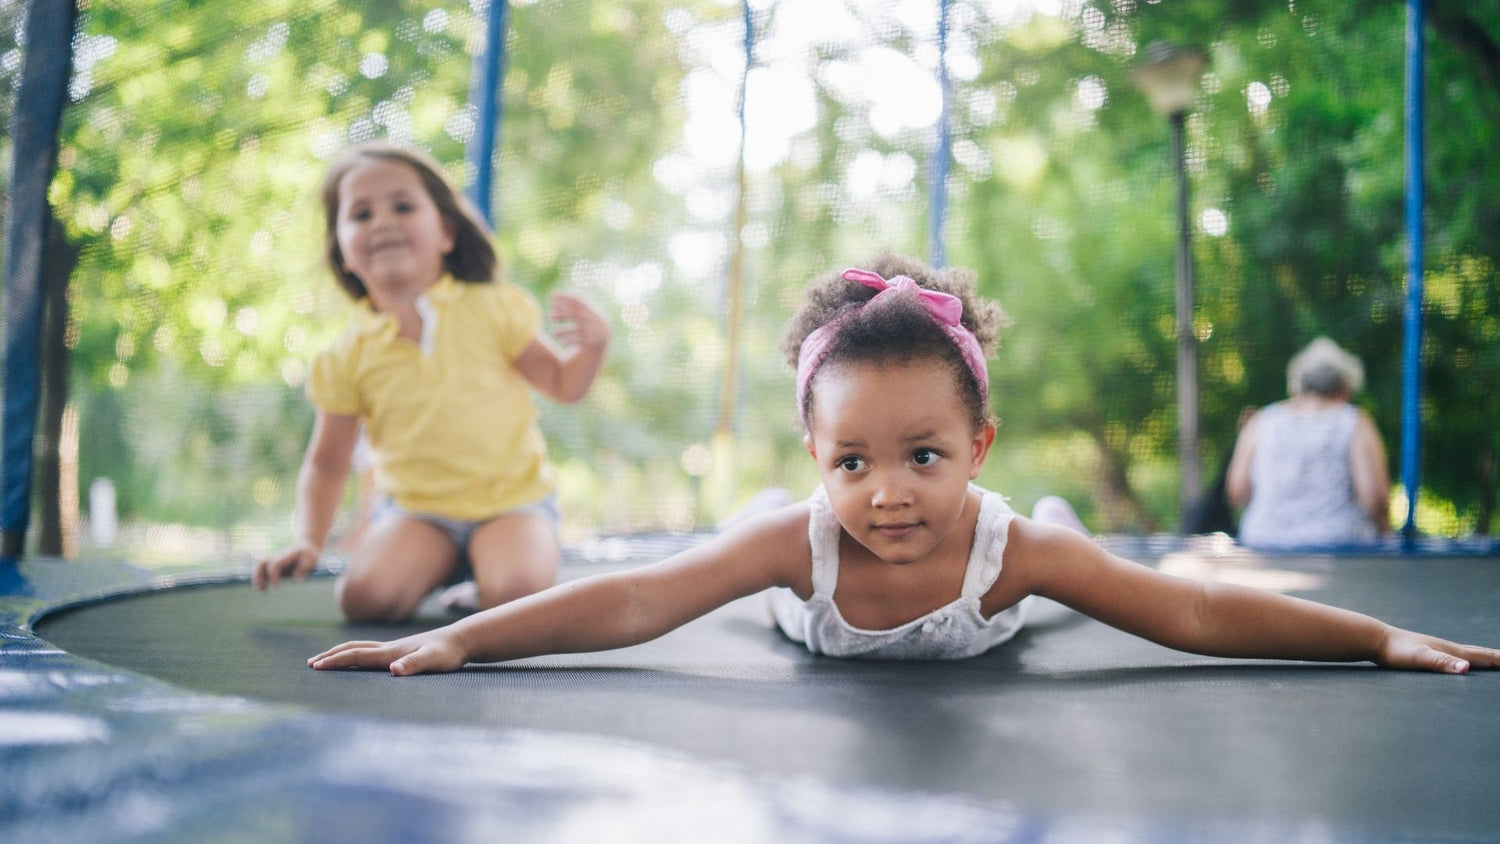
{"x": 1324, "y": 368}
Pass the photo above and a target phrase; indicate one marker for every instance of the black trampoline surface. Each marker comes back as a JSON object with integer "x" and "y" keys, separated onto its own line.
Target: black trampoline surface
{"x": 1073, "y": 728}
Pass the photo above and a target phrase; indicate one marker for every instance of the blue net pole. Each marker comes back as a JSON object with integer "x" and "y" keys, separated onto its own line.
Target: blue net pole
{"x": 34, "y": 126}
{"x": 749, "y": 47}
{"x": 485, "y": 95}
{"x": 937, "y": 190}
{"x": 1411, "y": 391}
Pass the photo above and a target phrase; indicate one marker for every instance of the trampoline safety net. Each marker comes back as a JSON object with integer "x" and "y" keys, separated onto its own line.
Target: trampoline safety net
{"x": 689, "y": 165}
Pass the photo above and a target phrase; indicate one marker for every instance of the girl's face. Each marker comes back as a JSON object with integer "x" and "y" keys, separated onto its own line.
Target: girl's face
{"x": 896, "y": 452}
{"x": 390, "y": 232}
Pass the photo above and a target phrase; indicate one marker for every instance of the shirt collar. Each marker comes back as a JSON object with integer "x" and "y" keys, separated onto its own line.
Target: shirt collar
{"x": 367, "y": 320}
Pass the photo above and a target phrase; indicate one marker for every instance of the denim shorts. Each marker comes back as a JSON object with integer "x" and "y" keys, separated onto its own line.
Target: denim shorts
{"x": 462, "y": 530}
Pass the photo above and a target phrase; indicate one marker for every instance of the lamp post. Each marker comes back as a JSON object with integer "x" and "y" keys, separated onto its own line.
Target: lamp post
{"x": 1168, "y": 77}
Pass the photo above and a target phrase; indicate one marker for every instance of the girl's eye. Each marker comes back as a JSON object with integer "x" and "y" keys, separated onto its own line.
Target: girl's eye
{"x": 851, "y": 464}
{"x": 403, "y": 207}
{"x": 924, "y": 457}
{"x": 361, "y": 215}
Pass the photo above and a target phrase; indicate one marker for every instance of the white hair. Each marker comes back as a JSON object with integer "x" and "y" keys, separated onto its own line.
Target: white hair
{"x": 1325, "y": 369}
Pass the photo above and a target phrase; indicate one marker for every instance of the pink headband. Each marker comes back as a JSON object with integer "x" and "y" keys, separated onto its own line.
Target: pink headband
{"x": 946, "y": 309}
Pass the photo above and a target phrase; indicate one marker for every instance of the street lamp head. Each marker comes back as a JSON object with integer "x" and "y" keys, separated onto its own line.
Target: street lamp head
{"x": 1168, "y": 76}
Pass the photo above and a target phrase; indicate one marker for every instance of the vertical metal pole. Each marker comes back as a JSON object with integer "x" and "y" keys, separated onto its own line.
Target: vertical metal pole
{"x": 937, "y": 189}
{"x": 34, "y": 127}
{"x": 1187, "y": 343}
{"x": 1411, "y": 389}
{"x": 734, "y": 293}
{"x": 485, "y": 93}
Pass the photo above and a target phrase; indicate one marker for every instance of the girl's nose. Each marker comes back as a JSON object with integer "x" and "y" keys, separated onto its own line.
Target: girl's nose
{"x": 890, "y": 491}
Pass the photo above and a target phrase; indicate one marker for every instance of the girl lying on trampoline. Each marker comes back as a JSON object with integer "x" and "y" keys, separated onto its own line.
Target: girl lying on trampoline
{"x": 899, "y": 555}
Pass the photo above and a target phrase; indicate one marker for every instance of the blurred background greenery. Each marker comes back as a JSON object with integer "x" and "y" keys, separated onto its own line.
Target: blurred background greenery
{"x": 196, "y": 134}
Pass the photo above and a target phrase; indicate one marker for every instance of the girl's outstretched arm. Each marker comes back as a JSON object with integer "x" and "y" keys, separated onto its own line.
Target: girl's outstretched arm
{"x": 567, "y": 375}
{"x": 320, "y": 486}
{"x": 1219, "y": 619}
{"x": 606, "y": 611}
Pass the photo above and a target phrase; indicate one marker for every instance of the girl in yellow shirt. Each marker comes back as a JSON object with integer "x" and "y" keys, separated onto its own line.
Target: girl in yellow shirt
{"x": 438, "y": 369}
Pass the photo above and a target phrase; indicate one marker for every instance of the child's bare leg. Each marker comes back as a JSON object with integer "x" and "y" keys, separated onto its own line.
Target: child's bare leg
{"x": 1055, "y": 510}
{"x": 513, "y": 556}
{"x": 461, "y": 597}
{"x": 399, "y": 562}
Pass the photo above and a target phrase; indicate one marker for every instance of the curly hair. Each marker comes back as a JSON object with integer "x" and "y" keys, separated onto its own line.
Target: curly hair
{"x": 902, "y": 331}
{"x": 473, "y": 257}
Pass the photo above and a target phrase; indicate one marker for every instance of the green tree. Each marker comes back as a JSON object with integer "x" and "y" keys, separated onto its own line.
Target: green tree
{"x": 199, "y": 131}
{"x": 1298, "y": 144}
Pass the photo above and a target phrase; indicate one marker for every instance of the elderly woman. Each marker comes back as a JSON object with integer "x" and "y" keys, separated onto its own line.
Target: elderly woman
{"x": 1311, "y": 471}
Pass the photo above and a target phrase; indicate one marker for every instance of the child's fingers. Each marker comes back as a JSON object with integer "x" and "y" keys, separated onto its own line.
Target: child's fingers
{"x": 270, "y": 573}
{"x": 345, "y": 646}
{"x": 575, "y": 335}
{"x": 339, "y": 648}
{"x": 1450, "y": 658}
{"x": 1415, "y": 652}
{"x": 567, "y": 316}
{"x": 566, "y": 302}
{"x": 415, "y": 662}
{"x": 566, "y": 306}
{"x": 1432, "y": 659}
{"x": 302, "y": 565}
{"x": 1477, "y": 657}
{"x": 432, "y": 656}
{"x": 577, "y": 323}
{"x": 1486, "y": 658}
{"x": 563, "y": 307}
{"x": 346, "y": 655}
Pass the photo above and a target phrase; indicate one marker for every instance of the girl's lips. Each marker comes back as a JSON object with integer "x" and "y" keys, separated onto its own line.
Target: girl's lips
{"x": 896, "y": 531}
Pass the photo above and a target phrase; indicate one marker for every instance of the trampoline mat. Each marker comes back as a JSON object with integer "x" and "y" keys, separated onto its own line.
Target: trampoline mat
{"x": 1070, "y": 719}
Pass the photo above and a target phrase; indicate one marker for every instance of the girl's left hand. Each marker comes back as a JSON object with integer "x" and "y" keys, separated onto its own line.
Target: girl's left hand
{"x": 1410, "y": 651}
{"x": 424, "y": 653}
{"x": 578, "y": 324}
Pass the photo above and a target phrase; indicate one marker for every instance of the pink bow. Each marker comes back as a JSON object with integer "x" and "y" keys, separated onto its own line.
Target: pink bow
{"x": 946, "y": 309}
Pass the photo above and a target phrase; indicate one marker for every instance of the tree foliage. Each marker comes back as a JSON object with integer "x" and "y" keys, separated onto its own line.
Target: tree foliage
{"x": 198, "y": 133}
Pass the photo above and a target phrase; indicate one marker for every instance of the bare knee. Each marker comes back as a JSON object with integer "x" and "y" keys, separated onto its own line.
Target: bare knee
{"x": 400, "y": 561}
{"x": 513, "y": 556}
{"x": 517, "y": 582}
{"x": 365, "y": 599}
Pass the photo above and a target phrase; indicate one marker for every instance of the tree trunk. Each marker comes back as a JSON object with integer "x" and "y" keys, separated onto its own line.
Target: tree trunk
{"x": 1122, "y": 507}
{"x": 1455, "y": 23}
{"x": 58, "y": 261}
{"x": 1486, "y": 486}
{"x": 40, "y": 99}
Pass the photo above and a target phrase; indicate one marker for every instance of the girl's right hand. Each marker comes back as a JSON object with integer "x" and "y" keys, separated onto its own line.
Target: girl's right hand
{"x": 430, "y": 651}
{"x": 297, "y": 560}
{"x": 1408, "y": 651}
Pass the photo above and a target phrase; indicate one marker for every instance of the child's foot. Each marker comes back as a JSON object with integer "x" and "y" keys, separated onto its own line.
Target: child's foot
{"x": 462, "y": 598}
{"x": 1055, "y": 510}
{"x": 767, "y": 500}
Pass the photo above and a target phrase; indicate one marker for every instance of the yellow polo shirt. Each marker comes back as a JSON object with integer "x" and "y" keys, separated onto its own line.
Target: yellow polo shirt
{"x": 450, "y": 421}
